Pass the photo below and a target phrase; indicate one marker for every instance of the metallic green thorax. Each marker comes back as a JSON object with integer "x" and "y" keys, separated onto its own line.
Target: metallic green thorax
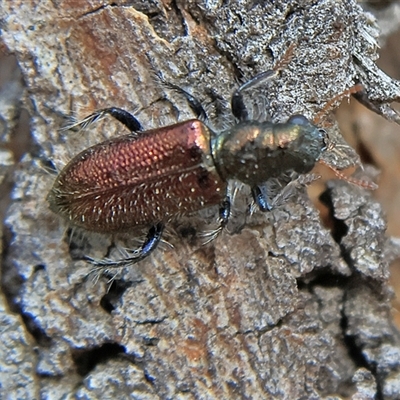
{"x": 254, "y": 152}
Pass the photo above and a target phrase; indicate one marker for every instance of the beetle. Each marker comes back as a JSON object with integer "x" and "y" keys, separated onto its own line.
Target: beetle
{"x": 145, "y": 178}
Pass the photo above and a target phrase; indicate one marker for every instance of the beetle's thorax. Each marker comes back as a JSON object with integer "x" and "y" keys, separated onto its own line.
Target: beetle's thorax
{"x": 253, "y": 151}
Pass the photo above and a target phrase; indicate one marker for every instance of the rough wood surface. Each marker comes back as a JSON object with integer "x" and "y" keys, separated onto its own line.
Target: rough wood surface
{"x": 278, "y": 306}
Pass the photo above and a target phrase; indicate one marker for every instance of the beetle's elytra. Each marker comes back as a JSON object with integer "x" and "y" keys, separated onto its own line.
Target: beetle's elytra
{"x": 146, "y": 177}
{"x": 128, "y": 181}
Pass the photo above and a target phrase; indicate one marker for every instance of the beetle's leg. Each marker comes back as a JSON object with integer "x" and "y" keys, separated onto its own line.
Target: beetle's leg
{"x": 194, "y": 103}
{"x": 262, "y": 194}
{"x": 224, "y": 214}
{"x": 237, "y": 104}
{"x": 129, "y": 120}
{"x": 292, "y": 187}
{"x": 150, "y": 243}
{"x": 238, "y": 107}
{"x": 126, "y": 118}
{"x": 260, "y": 197}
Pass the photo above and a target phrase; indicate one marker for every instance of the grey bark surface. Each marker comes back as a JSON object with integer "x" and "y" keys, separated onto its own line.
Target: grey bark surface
{"x": 277, "y": 306}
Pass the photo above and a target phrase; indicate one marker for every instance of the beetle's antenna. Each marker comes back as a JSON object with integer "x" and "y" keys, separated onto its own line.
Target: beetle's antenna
{"x": 329, "y": 105}
{"x": 285, "y": 60}
{"x": 359, "y": 182}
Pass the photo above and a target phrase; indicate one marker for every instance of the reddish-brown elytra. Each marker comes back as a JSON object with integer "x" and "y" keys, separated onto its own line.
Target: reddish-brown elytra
{"x": 135, "y": 181}
{"x": 147, "y": 177}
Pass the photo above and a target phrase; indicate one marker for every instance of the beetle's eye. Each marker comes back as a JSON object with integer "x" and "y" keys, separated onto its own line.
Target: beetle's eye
{"x": 298, "y": 120}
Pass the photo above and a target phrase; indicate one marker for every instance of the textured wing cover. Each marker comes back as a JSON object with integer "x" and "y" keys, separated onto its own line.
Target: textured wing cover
{"x": 129, "y": 181}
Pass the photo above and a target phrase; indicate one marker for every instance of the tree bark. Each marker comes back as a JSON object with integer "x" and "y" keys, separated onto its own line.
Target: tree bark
{"x": 279, "y": 305}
